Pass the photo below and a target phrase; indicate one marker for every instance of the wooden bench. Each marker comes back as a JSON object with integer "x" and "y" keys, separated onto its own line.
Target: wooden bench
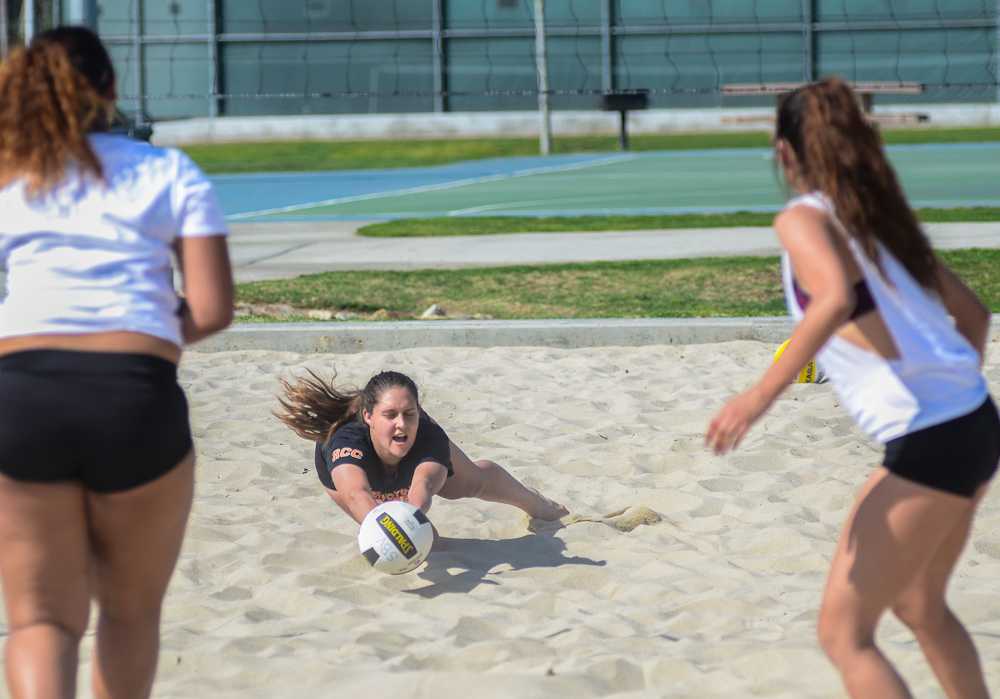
{"x": 865, "y": 91}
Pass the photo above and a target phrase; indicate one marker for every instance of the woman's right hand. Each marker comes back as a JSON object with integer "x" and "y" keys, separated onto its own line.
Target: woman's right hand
{"x": 734, "y": 420}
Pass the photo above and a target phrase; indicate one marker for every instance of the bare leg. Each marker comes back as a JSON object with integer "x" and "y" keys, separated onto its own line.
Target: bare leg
{"x": 43, "y": 561}
{"x": 893, "y": 532}
{"x": 945, "y": 642}
{"x": 137, "y": 537}
{"x": 487, "y": 480}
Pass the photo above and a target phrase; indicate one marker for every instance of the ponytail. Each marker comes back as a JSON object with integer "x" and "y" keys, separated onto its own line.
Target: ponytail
{"x": 840, "y": 154}
{"x": 314, "y": 408}
{"x": 52, "y": 95}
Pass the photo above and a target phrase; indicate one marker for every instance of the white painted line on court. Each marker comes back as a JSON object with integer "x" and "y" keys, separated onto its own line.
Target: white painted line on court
{"x": 435, "y": 187}
{"x": 495, "y": 207}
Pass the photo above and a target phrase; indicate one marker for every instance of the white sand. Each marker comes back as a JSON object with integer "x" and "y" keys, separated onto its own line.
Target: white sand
{"x": 719, "y": 599}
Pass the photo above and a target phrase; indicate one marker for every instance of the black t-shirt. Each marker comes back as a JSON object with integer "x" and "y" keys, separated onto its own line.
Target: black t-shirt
{"x": 352, "y": 444}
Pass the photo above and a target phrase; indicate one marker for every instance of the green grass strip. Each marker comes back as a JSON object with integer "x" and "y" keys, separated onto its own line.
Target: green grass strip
{"x": 703, "y": 287}
{"x": 493, "y": 225}
{"x": 308, "y": 156}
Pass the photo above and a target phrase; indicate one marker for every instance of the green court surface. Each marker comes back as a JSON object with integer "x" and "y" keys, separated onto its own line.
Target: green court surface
{"x": 933, "y": 175}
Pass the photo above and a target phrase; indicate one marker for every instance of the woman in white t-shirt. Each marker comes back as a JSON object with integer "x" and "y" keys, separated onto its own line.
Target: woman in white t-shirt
{"x": 96, "y": 460}
{"x": 901, "y": 339}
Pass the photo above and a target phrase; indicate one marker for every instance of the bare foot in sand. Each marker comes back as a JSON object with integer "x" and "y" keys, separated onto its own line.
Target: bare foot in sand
{"x": 543, "y": 508}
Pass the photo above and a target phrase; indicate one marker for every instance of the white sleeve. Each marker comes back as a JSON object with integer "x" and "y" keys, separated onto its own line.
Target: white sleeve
{"x": 196, "y": 208}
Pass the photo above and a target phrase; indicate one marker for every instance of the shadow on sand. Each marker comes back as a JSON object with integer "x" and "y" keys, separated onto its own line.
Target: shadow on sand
{"x": 477, "y": 557}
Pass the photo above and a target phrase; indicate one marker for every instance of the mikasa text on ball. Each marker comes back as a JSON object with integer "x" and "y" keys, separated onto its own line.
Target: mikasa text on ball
{"x": 395, "y": 537}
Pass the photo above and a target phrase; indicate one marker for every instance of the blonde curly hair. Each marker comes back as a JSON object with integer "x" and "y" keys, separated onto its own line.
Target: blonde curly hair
{"x": 52, "y": 95}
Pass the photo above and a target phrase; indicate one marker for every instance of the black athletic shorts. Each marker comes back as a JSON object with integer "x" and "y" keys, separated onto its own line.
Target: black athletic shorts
{"x": 956, "y": 456}
{"x": 111, "y": 421}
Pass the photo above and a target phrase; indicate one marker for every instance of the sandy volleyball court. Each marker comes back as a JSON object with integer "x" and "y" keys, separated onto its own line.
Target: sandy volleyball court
{"x": 717, "y": 599}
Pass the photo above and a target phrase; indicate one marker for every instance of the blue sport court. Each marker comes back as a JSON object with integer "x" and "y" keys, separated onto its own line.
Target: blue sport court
{"x": 660, "y": 182}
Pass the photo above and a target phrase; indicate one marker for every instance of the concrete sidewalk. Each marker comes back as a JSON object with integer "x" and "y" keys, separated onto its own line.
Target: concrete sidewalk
{"x": 282, "y": 250}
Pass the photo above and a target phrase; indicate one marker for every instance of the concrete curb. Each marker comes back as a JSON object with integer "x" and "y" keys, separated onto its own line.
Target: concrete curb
{"x": 347, "y": 338}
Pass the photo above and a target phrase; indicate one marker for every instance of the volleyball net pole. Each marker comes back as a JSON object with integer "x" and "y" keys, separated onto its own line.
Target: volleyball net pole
{"x": 541, "y": 63}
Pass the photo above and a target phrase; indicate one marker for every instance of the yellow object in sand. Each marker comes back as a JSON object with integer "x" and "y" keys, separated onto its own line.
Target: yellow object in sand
{"x": 810, "y": 372}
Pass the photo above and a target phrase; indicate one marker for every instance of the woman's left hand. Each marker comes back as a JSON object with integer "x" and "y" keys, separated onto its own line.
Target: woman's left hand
{"x": 730, "y": 425}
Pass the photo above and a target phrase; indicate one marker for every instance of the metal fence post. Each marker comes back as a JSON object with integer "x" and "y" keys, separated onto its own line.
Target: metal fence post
{"x": 808, "y": 41}
{"x": 213, "y": 58}
{"x": 30, "y": 21}
{"x": 541, "y": 64}
{"x": 438, "y": 63}
{"x": 140, "y": 64}
{"x": 607, "y": 61}
{"x": 83, "y": 12}
{"x": 4, "y": 29}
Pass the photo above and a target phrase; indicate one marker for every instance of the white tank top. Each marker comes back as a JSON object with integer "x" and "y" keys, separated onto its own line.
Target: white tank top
{"x": 96, "y": 256}
{"x": 936, "y": 377}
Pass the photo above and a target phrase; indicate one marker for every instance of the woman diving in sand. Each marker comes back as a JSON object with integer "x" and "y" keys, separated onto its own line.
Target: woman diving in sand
{"x": 377, "y": 444}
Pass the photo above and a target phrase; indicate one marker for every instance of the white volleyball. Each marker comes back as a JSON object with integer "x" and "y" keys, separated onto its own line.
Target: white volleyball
{"x": 395, "y": 537}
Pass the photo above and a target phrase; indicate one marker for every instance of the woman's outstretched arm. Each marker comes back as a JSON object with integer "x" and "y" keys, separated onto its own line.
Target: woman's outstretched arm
{"x": 355, "y": 491}
{"x": 817, "y": 257}
{"x": 428, "y": 479}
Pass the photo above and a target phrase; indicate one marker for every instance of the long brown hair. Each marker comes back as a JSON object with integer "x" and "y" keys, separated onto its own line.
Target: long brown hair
{"x": 315, "y": 408}
{"x": 840, "y": 154}
{"x": 52, "y": 95}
